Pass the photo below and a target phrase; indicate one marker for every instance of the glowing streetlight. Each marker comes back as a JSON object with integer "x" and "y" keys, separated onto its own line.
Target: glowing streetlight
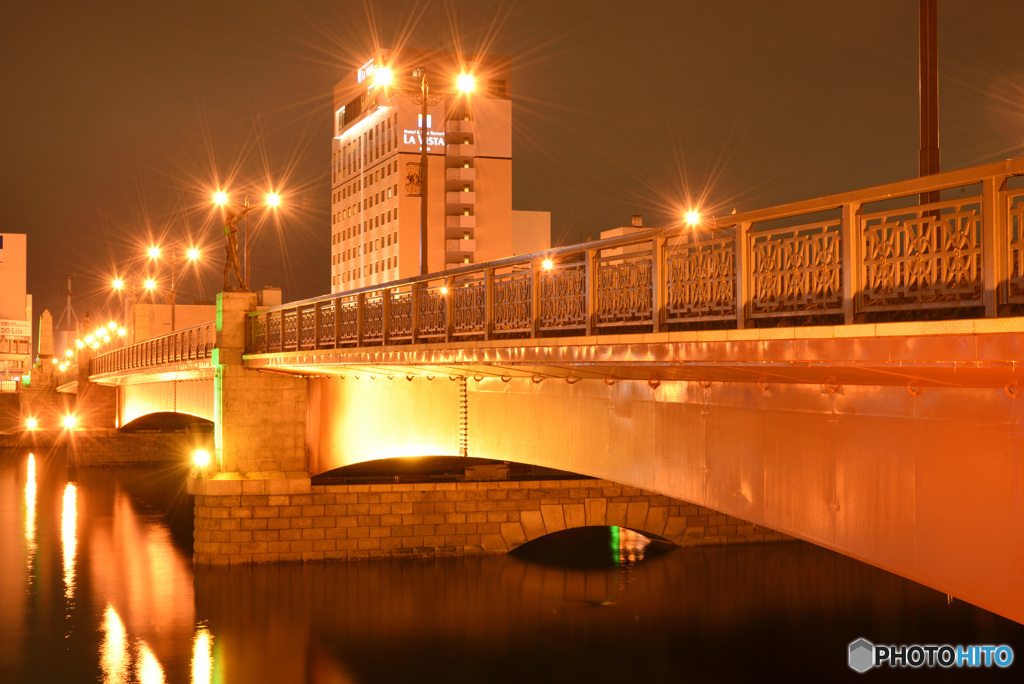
{"x": 382, "y": 76}
{"x": 154, "y": 252}
{"x": 692, "y": 217}
{"x": 273, "y": 199}
{"x": 201, "y": 458}
{"x": 69, "y": 422}
{"x": 149, "y": 284}
{"x": 466, "y": 83}
{"x": 547, "y": 264}
{"x": 220, "y": 197}
{"x": 118, "y": 284}
{"x": 30, "y": 423}
{"x": 192, "y": 253}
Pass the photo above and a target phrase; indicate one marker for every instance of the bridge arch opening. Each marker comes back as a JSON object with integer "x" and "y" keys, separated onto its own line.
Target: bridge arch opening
{"x": 169, "y": 421}
{"x": 594, "y": 546}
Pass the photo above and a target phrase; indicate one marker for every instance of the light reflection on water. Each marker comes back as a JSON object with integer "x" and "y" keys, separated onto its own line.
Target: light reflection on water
{"x": 202, "y": 656}
{"x": 30, "y": 517}
{"x": 69, "y": 537}
{"x": 114, "y": 654}
{"x": 142, "y": 613}
{"x": 147, "y": 667}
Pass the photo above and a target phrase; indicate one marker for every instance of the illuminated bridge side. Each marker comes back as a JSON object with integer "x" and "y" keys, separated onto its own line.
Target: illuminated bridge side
{"x": 171, "y": 373}
{"x": 869, "y": 255}
{"x": 780, "y": 366}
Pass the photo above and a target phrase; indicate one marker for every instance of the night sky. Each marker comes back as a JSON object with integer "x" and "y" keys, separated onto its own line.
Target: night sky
{"x": 120, "y": 118}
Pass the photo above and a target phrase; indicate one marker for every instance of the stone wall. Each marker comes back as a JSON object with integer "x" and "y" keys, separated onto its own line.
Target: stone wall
{"x": 108, "y": 447}
{"x": 247, "y": 520}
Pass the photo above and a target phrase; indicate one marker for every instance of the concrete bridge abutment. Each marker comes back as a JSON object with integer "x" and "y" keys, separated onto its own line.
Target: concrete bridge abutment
{"x": 260, "y": 416}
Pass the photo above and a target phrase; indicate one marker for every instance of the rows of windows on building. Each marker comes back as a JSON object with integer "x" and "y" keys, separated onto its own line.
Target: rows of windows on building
{"x": 366, "y": 225}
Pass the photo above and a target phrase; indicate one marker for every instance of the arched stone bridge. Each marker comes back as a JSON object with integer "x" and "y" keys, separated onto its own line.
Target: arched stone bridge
{"x": 645, "y": 361}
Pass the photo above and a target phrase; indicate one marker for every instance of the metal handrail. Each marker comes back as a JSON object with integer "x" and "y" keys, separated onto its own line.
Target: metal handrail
{"x": 188, "y": 344}
{"x": 740, "y": 268}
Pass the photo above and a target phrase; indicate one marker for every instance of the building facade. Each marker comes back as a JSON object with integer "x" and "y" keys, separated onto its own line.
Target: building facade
{"x": 376, "y": 173}
{"x": 15, "y": 308}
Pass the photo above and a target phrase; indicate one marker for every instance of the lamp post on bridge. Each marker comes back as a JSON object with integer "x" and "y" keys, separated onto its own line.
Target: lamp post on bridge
{"x": 174, "y": 256}
{"x": 464, "y": 84}
{"x": 272, "y": 201}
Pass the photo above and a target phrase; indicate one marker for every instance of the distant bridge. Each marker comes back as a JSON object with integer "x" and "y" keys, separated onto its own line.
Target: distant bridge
{"x": 845, "y": 370}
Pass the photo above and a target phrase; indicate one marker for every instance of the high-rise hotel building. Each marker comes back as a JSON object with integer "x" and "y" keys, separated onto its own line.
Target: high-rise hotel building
{"x": 375, "y": 168}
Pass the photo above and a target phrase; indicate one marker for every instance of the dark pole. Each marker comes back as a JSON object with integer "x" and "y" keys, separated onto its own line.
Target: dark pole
{"x": 928, "y": 65}
{"x": 424, "y": 92}
{"x": 173, "y": 294}
{"x": 246, "y": 243}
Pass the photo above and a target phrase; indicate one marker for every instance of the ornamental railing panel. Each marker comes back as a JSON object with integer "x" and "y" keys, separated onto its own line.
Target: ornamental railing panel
{"x": 348, "y": 320}
{"x": 400, "y": 317}
{"x": 1015, "y": 234}
{"x": 796, "y": 270}
{"x": 513, "y": 302}
{"x": 307, "y": 326}
{"x": 624, "y": 289}
{"x": 432, "y": 310}
{"x": 700, "y": 280}
{"x": 927, "y": 256}
{"x": 325, "y": 318}
{"x": 469, "y": 308}
{"x": 290, "y": 329}
{"x": 373, "y": 318}
{"x": 562, "y": 298}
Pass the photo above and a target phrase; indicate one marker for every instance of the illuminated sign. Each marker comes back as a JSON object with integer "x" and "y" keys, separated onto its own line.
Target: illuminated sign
{"x": 413, "y": 136}
{"x": 16, "y": 329}
{"x": 365, "y": 71}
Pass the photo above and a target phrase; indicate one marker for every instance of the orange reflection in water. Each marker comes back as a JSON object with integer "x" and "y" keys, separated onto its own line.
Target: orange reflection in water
{"x": 114, "y": 656}
{"x": 30, "y": 517}
{"x": 628, "y": 546}
{"x": 202, "y": 656}
{"x": 147, "y": 667}
{"x": 69, "y": 537}
{"x": 135, "y": 566}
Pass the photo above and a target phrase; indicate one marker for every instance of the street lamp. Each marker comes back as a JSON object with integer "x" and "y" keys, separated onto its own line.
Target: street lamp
{"x": 465, "y": 83}
{"x": 191, "y": 255}
{"x": 271, "y": 199}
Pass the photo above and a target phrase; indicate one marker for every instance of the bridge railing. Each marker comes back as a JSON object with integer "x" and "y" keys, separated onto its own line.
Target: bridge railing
{"x": 899, "y": 248}
{"x": 188, "y": 344}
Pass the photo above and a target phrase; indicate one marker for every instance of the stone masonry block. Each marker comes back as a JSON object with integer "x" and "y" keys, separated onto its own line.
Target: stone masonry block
{"x": 574, "y": 515}
{"x": 513, "y": 534}
{"x": 617, "y": 514}
{"x": 533, "y": 524}
{"x": 657, "y": 516}
{"x": 595, "y": 511}
{"x": 493, "y": 543}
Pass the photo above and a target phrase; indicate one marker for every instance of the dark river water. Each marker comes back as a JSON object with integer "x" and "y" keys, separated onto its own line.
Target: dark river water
{"x": 97, "y": 584}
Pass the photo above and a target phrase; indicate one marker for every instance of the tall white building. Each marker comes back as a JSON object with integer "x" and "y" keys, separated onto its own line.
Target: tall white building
{"x": 375, "y": 168}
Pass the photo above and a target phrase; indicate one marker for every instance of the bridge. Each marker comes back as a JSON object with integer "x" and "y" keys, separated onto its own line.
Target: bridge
{"x": 845, "y": 370}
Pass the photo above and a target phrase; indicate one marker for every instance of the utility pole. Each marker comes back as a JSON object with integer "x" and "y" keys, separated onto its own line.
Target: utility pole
{"x": 928, "y": 79}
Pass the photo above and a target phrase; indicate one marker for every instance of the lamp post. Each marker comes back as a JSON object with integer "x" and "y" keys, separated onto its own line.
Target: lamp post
{"x": 464, "y": 84}
{"x": 272, "y": 199}
{"x": 191, "y": 254}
